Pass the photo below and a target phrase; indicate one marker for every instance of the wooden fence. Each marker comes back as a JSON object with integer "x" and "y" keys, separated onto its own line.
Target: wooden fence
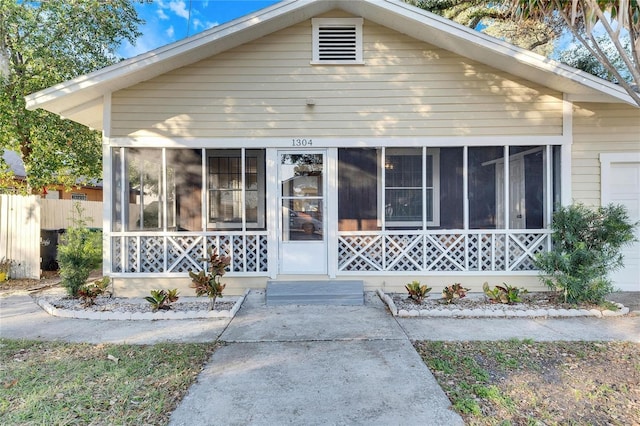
{"x": 22, "y": 218}
{"x": 20, "y": 234}
{"x": 60, "y": 214}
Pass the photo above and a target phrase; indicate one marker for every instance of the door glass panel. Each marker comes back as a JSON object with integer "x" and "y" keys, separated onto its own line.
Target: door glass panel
{"x": 302, "y": 193}
{"x": 301, "y": 175}
{"x": 302, "y": 220}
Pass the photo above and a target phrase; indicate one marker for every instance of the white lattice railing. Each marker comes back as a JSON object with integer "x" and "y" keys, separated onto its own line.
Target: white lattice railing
{"x": 441, "y": 251}
{"x": 181, "y": 252}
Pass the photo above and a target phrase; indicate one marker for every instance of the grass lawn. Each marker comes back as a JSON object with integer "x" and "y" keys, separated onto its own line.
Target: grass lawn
{"x": 538, "y": 383}
{"x": 489, "y": 383}
{"x": 53, "y": 383}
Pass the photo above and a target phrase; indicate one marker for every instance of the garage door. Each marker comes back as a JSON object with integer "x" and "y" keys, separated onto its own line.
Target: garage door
{"x": 621, "y": 185}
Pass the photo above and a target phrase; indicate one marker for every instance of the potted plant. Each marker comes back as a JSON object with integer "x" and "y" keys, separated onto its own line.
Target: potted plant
{"x": 5, "y": 268}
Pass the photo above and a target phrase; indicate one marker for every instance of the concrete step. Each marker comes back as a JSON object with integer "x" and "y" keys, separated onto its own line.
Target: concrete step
{"x": 331, "y": 292}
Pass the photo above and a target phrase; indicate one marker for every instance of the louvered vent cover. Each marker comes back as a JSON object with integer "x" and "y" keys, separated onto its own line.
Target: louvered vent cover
{"x": 337, "y": 43}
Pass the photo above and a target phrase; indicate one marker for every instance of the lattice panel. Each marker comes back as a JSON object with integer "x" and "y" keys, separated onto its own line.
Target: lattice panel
{"x": 131, "y": 248}
{"x": 238, "y": 254}
{"x": 116, "y": 255}
{"x": 500, "y": 251}
{"x": 445, "y": 252}
{"x": 360, "y": 253}
{"x": 255, "y": 259}
{"x": 183, "y": 253}
{"x": 484, "y": 251}
{"x": 247, "y": 255}
{"x": 403, "y": 252}
{"x": 264, "y": 254}
{"x": 152, "y": 254}
{"x": 474, "y": 251}
{"x": 523, "y": 249}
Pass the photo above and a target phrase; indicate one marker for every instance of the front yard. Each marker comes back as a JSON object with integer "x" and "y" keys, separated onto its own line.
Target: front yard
{"x": 538, "y": 383}
{"x": 489, "y": 383}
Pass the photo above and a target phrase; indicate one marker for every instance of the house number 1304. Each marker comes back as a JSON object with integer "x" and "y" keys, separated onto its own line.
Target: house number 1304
{"x": 301, "y": 142}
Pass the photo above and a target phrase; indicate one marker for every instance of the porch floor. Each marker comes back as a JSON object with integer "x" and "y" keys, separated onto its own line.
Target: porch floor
{"x": 331, "y": 292}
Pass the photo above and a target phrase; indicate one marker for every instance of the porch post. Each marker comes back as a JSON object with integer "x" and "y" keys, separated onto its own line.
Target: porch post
{"x": 272, "y": 198}
{"x": 107, "y": 188}
{"x": 332, "y": 212}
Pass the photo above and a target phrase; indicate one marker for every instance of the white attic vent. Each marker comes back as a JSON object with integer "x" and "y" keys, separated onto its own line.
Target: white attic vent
{"x": 337, "y": 41}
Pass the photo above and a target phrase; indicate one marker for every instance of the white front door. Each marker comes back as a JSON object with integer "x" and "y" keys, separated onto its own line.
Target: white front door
{"x": 302, "y": 225}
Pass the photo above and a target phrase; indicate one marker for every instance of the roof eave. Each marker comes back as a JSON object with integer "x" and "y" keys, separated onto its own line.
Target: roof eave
{"x": 69, "y": 98}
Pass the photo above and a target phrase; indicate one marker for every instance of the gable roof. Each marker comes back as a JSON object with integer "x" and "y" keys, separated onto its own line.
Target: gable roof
{"x": 81, "y": 99}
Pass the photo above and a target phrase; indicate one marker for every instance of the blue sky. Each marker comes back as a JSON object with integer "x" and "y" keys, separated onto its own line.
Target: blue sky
{"x": 167, "y": 21}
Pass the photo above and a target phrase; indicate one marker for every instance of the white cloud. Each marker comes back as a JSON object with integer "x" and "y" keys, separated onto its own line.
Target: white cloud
{"x": 161, "y": 15}
{"x": 179, "y": 8}
{"x": 170, "y": 32}
{"x": 197, "y": 24}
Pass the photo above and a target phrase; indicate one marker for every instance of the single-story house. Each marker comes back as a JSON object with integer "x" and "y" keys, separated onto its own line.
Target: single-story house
{"x": 343, "y": 140}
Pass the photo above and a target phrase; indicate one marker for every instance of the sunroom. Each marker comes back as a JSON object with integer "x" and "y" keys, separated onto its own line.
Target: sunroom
{"x": 377, "y": 211}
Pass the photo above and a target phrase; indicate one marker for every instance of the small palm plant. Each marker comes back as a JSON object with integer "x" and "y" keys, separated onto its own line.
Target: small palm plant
{"x": 417, "y": 291}
{"x": 504, "y": 293}
{"x": 208, "y": 283}
{"x": 88, "y": 293}
{"x": 162, "y": 299}
{"x": 454, "y": 291}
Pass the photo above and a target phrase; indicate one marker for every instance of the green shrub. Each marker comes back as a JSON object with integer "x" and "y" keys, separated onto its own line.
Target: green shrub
{"x": 417, "y": 291}
{"x": 79, "y": 252}
{"x": 586, "y": 247}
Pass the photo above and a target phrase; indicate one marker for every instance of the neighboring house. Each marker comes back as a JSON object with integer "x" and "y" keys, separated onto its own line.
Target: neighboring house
{"x": 347, "y": 139}
{"x": 57, "y": 192}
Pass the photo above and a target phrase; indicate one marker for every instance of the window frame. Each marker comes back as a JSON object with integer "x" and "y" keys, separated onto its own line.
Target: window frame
{"x": 434, "y": 153}
{"x": 319, "y": 23}
{"x": 79, "y": 196}
{"x": 260, "y": 190}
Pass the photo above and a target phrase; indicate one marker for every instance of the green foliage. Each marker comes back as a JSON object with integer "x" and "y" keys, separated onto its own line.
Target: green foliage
{"x": 454, "y": 292}
{"x": 162, "y": 299}
{"x": 417, "y": 291}
{"x": 88, "y": 293}
{"x": 79, "y": 252}
{"x": 208, "y": 283}
{"x": 504, "y": 293}
{"x": 492, "y": 18}
{"x": 44, "y": 43}
{"x": 587, "y": 246}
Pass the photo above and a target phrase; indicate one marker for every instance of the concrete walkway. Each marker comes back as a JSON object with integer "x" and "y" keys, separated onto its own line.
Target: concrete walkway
{"x": 310, "y": 364}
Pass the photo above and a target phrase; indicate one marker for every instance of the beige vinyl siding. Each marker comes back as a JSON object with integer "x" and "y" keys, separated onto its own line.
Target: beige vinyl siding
{"x": 260, "y": 90}
{"x": 599, "y": 128}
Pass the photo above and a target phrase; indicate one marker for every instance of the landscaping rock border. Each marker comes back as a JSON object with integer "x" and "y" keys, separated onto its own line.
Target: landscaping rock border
{"x": 478, "y": 312}
{"x": 137, "y": 316}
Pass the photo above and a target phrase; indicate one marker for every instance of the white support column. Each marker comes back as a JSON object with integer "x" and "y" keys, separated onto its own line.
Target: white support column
{"x": 506, "y": 207}
{"x": 383, "y": 192}
{"x": 272, "y": 199}
{"x": 465, "y": 186}
{"x": 107, "y": 187}
{"x": 331, "y": 201}
{"x": 547, "y": 161}
{"x": 203, "y": 201}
